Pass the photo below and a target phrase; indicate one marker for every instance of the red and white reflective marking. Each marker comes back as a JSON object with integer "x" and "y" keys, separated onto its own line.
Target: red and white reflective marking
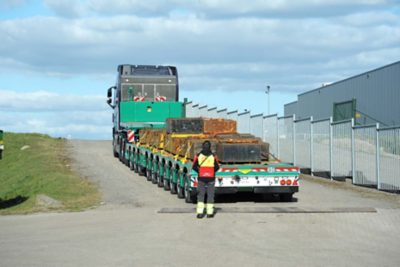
{"x": 160, "y": 98}
{"x": 131, "y": 136}
{"x": 138, "y": 98}
{"x": 286, "y": 169}
{"x": 259, "y": 170}
{"x": 277, "y": 169}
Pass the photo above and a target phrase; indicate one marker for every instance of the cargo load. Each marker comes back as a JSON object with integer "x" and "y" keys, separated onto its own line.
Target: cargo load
{"x": 201, "y": 125}
{"x": 238, "y": 153}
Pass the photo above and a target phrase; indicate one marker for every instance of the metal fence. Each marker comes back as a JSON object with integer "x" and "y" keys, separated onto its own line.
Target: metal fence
{"x": 368, "y": 154}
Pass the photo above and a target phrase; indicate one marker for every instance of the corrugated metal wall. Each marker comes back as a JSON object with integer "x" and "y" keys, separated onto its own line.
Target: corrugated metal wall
{"x": 377, "y": 94}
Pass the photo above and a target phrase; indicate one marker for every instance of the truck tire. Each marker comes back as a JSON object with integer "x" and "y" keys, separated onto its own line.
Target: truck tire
{"x": 286, "y": 197}
{"x": 172, "y": 185}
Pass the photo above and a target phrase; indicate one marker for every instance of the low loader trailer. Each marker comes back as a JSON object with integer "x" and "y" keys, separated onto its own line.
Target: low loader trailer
{"x": 147, "y": 97}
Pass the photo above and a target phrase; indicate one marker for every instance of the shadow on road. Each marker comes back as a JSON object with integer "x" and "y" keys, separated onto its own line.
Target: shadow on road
{"x": 8, "y": 203}
{"x": 250, "y": 197}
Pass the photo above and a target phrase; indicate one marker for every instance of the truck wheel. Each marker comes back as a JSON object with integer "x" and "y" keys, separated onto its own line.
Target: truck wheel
{"x": 115, "y": 154}
{"x": 172, "y": 185}
{"x": 286, "y": 197}
{"x": 189, "y": 196}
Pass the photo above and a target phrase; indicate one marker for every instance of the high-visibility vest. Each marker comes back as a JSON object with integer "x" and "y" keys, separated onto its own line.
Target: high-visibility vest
{"x": 206, "y": 166}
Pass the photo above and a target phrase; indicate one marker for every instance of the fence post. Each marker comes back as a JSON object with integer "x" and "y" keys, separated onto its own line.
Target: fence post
{"x": 277, "y": 138}
{"x": 353, "y": 152}
{"x": 294, "y": 139}
{"x": 378, "y": 163}
{"x": 311, "y": 146}
{"x": 331, "y": 147}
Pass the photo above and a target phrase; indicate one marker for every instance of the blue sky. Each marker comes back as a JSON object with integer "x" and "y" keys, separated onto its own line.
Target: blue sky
{"x": 58, "y": 57}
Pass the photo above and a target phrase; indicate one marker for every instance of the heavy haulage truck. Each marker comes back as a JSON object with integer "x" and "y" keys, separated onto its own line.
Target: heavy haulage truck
{"x": 152, "y": 136}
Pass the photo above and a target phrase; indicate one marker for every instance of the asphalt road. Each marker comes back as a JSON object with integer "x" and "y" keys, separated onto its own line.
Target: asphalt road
{"x": 127, "y": 230}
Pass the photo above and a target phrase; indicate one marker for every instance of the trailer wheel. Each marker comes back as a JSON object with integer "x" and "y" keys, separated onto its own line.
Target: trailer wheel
{"x": 131, "y": 166}
{"x": 189, "y": 196}
{"x": 179, "y": 190}
{"x": 166, "y": 184}
{"x": 172, "y": 185}
{"x": 160, "y": 180}
{"x": 148, "y": 174}
{"x": 154, "y": 178}
{"x": 286, "y": 197}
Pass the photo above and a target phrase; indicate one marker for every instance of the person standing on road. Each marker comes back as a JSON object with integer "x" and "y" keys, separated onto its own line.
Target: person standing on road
{"x": 206, "y": 165}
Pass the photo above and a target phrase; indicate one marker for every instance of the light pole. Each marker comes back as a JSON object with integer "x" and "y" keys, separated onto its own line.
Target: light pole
{"x": 267, "y": 92}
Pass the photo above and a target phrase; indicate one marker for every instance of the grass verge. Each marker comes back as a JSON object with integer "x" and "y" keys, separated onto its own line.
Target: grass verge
{"x": 42, "y": 168}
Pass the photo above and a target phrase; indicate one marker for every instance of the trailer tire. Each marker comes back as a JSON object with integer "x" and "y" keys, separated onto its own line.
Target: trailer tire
{"x": 189, "y": 196}
{"x": 172, "y": 185}
{"x": 148, "y": 174}
{"x": 160, "y": 180}
{"x": 154, "y": 178}
{"x": 166, "y": 184}
{"x": 131, "y": 166}
{"x": 179, "y": 190}
{"x": 286, "y": 197}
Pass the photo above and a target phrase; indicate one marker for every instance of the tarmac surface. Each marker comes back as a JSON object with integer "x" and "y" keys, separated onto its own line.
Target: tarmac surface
{"x": 139, "y": 224}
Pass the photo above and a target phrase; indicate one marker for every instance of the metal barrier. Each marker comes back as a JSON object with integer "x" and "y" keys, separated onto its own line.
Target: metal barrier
{"x": 365, "y": 155}
{"x": 286, "y": 139}
{"x": 371, "y": 156}
{"x": 243, "y": 122}
{"x": 389, "y": 159}
{"x": 341, "y": 149}
{"x": 256, "y": 125}
{"x": 303, "y": 143}
{"x": 222, "y": 114}
{"x": 320, "y": 146}
{"x": 270, "y": 130}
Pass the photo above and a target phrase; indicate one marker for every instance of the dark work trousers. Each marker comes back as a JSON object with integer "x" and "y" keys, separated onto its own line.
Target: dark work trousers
{"x": 203, "y": 185}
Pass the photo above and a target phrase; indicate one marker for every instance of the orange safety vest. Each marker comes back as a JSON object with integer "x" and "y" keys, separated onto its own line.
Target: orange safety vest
{"x": 206, "y": 166}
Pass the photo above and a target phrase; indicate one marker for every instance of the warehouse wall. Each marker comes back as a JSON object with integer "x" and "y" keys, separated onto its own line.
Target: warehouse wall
{"x": 377, "y": 93}
{"x": 290, "y": 108}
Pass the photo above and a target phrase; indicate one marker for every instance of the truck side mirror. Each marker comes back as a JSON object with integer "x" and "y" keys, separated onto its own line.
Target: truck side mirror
{"x": 109, "y": 93}
{"x": 109, "y": 103}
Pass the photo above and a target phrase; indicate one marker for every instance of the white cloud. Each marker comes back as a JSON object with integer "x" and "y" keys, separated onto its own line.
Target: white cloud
{"x": 45, "y": 101}
{"x": 58, "y": 115}
{"x": 217, "y": 45}
{"x": 212, "y": 8}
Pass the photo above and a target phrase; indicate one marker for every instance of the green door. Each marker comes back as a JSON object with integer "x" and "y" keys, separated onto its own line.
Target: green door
{"x": 344, "y": 110}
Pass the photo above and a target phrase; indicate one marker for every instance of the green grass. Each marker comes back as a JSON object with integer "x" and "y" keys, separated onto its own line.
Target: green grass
{"x": 43, "y": 168}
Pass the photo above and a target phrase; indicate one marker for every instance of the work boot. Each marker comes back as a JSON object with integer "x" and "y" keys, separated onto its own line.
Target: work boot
{"x": 200, "y": 210}
{"x": 210, "y": 210}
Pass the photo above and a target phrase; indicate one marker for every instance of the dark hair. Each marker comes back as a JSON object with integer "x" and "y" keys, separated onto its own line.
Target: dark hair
{"x": 206, "y": 145}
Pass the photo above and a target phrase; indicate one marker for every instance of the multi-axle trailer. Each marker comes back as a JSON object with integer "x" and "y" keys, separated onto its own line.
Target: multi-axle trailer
{"x": 144, "y": 97}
